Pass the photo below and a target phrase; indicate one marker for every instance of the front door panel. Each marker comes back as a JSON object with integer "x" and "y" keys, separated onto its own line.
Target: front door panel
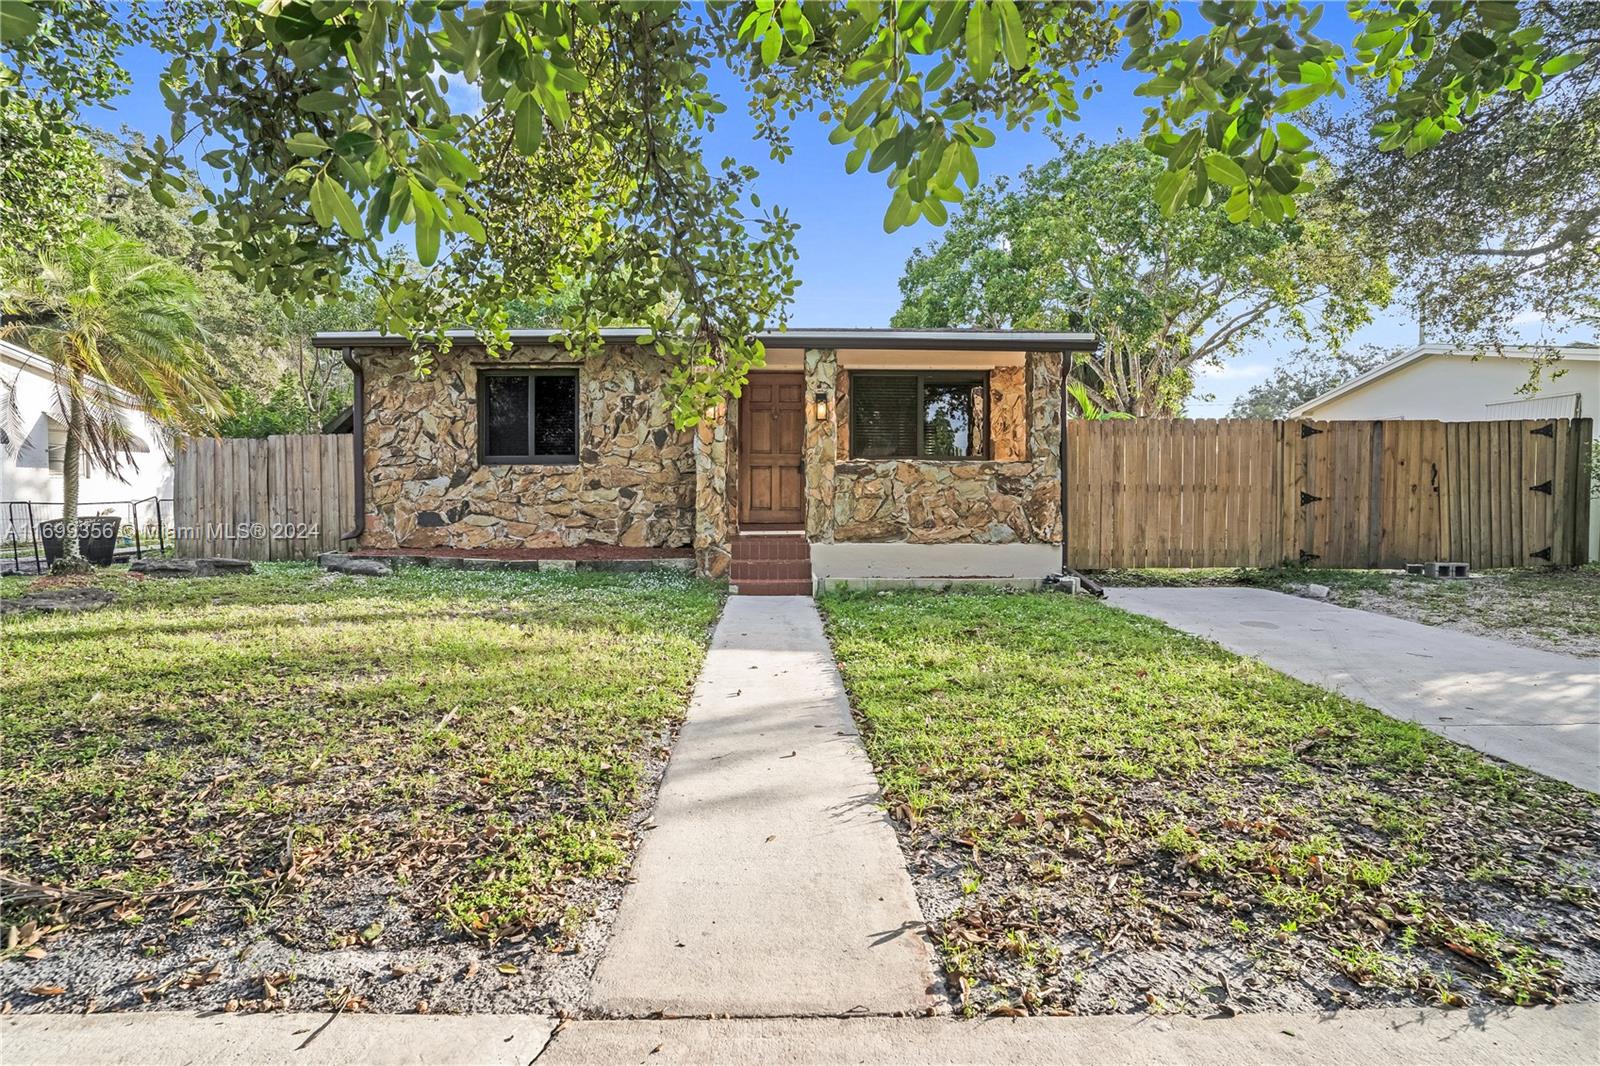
{"x": 772, "y": 434}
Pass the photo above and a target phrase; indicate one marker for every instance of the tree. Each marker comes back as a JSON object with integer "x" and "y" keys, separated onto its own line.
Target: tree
{"x": 1080, "y": 243}
{"x": 329, "y": 125}
{"x": 104, "y": 311}
{"x": 248, "y": 332}
{"x": 1503, "y": 217}
{"x": 1308, "y": 375}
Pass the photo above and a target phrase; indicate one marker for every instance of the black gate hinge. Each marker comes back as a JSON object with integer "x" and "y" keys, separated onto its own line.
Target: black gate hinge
{"x": 1544, "y": 487}
{"x": 1308, "y": 431}
{"x": 1542, "y": 553}
{"x": 1306, "y": 498}
{"x": 1546, "y": 430}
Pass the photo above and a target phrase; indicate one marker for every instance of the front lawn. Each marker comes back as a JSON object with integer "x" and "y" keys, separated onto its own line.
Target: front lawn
{"x": 1550, "y": 608}
{"x": 409, "y": 793}
{"x": 1105, "y": 815}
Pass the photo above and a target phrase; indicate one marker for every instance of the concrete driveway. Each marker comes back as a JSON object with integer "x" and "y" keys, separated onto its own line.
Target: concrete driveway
{"x": 1533, "y": 708}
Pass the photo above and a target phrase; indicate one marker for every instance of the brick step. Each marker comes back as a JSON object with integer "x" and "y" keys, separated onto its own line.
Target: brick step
{"x": 774, "y": 588}
{"x": 759, "y": 570}
{"x": 776, "y": 549}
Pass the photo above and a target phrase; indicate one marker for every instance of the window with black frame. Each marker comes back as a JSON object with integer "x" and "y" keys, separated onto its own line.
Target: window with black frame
{"x": 528, "y": 416}
{"x": 901, "y": 415}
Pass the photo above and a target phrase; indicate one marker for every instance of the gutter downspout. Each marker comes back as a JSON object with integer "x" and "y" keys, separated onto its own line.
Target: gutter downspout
{"x": 1065, "y": 359}
{"x": 358, "y": 439}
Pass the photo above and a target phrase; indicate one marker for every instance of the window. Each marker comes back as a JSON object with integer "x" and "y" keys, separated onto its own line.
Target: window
{"x": 927, "y": 416}
{"x": 56, "y": 445}
{"x": 528, "y": 416}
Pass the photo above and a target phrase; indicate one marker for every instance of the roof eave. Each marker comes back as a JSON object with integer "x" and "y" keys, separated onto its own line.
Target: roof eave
{"x": 898, "y": 340}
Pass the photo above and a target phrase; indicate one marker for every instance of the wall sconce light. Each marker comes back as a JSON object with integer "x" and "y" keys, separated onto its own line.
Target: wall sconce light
{"x": 822, "y": 406}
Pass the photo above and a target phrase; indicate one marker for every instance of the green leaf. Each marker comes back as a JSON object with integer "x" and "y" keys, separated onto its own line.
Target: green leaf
{"x": 1170, "y": 190}
{"x": 1295, "y": 99}
{"x": 307, "y": 145}
{"x": 982, "y": 27}
{"x": 321, "y": 207}
{"x": 17, "y": 22}
{"x": 1313, "y": 73}
{"x": 529, "y": 125}
{"x": 464, "y": 167}
{"x": 1012, "y": 36}
{"x": 1290, "y": 137}
{"x": 1562, "y": 64}
{"x": 323, "y": 100}
{"x": 427, "y": 239}
{"x": 338, "y": 204}
{"x": 1500, "y": 15}
{"x": 1224, "y": 169}
{"x": 1477, "y": 45}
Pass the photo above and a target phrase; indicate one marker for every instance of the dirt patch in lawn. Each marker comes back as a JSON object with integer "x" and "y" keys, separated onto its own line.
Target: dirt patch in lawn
{"x": 1102, "y": 815}
{"x": 296, "y": 791}
{"x": 1552, "y": 610}
{"x": 1549, "y": 608}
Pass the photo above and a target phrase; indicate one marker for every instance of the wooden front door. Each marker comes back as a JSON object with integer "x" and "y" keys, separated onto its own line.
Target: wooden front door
{"x": 772, "y": 436}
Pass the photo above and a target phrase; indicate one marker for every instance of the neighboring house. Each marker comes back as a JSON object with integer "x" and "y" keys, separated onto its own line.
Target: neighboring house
{"x": 874, "y": 453}
{"x": 31, "y": 465}
{"x": 1439, "y": 382}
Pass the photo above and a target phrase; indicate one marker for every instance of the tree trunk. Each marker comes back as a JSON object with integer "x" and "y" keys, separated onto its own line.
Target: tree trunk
{"x": 71, "y": 469}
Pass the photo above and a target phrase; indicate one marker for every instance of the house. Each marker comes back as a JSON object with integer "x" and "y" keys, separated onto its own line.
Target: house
{"x": 32, "y": 451}
{"x": 854, "y": 454}
{"x": 1439, "y": 382}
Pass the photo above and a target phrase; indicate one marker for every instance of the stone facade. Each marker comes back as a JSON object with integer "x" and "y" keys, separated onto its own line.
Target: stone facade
{"x": 714, "y": 495}
{"x": 634, "y": 484}
{"x": 1008, "y": 414}
{"x": 822, "y": 441}
{"x": 639, "y": 482}
{"x": 1013, "y": 498}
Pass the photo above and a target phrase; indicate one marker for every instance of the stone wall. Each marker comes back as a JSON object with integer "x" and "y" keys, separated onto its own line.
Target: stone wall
{"x": 1013, "y": 498}
{"x": 713, "y": 502}
{"x": 634, "y": 483}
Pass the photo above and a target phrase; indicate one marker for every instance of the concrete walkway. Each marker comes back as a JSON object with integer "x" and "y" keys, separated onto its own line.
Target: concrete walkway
{"x": 772, "y": 883}
{"x": 1533, "y": 708}
{"x": 1555, "y": 1036}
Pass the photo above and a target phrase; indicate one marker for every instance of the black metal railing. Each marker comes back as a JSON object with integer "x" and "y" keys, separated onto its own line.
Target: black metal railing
{"x": 145, "y": 529}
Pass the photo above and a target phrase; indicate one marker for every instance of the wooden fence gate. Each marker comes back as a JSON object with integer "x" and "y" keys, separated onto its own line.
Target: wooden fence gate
{"x": 286, "y": 497}
{"x": 1210, "y": 492}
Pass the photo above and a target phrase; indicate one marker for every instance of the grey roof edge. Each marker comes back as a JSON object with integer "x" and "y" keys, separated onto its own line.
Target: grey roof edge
{"x": 966, "y": 340}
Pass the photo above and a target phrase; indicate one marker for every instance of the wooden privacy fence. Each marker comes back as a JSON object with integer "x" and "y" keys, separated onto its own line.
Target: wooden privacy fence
{"x": 286, "y": 497}
{"x": 1212, "y": 492}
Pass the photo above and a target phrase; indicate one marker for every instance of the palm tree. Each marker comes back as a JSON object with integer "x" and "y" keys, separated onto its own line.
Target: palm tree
{"x": 106, "y": 311}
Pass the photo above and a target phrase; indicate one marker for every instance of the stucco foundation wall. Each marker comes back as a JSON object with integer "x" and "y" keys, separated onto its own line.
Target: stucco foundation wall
{"x": 927, "y": 502}
{"x": 903, "y": 561}
{"x": 634, "y": 483}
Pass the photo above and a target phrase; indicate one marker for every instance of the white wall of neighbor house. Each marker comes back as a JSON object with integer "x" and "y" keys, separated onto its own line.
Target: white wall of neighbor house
{"x": 1457, "y": 388}
{"x": 31, "y": 466}
{"x": 1453, "y": 387}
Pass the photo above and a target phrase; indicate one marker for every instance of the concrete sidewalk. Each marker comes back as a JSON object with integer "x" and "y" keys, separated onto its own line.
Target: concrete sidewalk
{"x": 1555, "y": 1036}
{"x": 772, "y": 883}
{"x": 1533, "y": 708}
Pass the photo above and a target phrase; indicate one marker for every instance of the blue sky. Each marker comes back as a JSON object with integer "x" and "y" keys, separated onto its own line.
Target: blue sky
{"x": 849, "y": 268}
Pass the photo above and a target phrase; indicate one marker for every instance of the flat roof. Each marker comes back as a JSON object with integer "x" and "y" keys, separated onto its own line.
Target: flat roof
{"x": 956, "y": 340}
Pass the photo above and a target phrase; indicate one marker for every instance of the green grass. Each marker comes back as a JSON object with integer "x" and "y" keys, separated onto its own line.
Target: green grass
{"x": 1105, "y": 784}
{"x": 478, "y": 739}
{"x": 1557, "y": 608}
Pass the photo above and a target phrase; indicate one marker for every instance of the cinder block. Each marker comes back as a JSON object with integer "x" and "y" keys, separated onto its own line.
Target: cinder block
{"x": 1444, "y": 569}
{"x": 1414, "y": 568}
